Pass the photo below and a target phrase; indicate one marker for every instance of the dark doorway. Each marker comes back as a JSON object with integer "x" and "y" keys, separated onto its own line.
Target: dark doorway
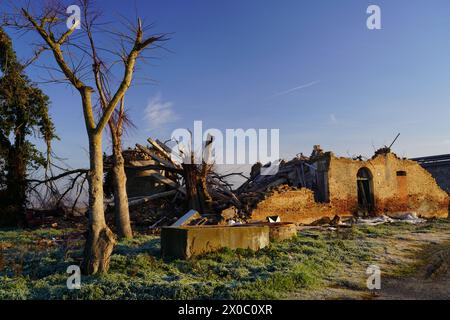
{"x": 365, "y": 192}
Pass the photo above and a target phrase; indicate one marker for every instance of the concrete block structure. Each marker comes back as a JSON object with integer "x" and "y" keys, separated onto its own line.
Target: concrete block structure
{"x": 185, "y": 242}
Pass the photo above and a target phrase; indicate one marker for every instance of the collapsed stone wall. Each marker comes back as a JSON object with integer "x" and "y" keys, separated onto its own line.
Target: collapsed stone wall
{"x": 294, "y": 205}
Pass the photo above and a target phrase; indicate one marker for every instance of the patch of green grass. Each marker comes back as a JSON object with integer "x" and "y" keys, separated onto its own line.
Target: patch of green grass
{"x": 13, "y": 288}
{"x": 24, "y": 237}
{"x": 377, "y": 231}
{"x": 404, "y": 270}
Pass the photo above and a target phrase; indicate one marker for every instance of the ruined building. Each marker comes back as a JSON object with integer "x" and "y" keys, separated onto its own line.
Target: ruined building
{"x": 323, "y": 185}
{"x": 303, "y": 190}
{"x": 141, "y": 170}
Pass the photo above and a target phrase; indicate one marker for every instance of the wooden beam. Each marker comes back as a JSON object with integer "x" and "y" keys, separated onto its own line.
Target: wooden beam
{"x": 155, "y": 157}
{"x": 153, "y": 167}
{"x": 152, "y": 197}
{"x": 158, "y": 147}
{"x": 165, "y": 150}
{"x": 156, "y": 175}
{"x": 162, "y": 145}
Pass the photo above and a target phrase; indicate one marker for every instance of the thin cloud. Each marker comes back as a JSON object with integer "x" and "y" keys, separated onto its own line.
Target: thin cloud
{"x": 158, "y": 113}
{"x": 303, "y": 86}
{"x": 333, "y": 118}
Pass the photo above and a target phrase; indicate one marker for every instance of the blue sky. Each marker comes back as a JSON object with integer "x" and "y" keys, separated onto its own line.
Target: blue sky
{"x": 310, "y": 68}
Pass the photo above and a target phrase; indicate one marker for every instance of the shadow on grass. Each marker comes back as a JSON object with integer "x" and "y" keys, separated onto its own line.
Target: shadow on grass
{"x": 134, "y": 247}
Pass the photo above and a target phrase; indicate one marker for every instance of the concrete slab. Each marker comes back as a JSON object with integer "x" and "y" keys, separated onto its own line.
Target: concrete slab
{"x": 187, "y": 218}
{"x": 185, "y": 242}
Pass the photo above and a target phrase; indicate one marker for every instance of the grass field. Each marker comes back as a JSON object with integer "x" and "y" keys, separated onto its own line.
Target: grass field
{"x": 317, "y": 264}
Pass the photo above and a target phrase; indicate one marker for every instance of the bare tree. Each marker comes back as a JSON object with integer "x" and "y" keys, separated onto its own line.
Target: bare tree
{"x": 77, "y": 59}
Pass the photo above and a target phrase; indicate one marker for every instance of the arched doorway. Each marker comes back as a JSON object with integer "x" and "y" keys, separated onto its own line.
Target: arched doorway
{"x": 366, "y": 203}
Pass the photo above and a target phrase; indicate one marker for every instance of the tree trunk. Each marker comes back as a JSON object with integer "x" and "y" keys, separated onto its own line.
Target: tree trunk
{"x": 100, "y": 239}
{"x": 203, "y": 187}
{"x": 16, "y": 187}
{"x": 13, "y": 206}
{"x": 191, "y": 181}
{"x": 122, "y": 213}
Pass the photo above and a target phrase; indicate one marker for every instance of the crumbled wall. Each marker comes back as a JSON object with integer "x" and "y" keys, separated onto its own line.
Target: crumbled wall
{"x": 417, "y": 192}
{"x": 295, "y": 205}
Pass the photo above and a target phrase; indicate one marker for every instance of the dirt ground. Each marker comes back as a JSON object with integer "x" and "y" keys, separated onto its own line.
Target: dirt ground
{"x": 430, "y": 279}
{"x": 414, "y": 265}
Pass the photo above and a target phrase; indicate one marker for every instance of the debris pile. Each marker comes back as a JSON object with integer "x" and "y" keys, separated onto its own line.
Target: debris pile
{"x": 167, "y": 188}
{"x": 298, "y": 173}
{"x": 161, "y": 189}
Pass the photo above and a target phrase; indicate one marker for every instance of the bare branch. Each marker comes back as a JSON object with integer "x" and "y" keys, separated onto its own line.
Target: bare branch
{"x": 62, "y": 175}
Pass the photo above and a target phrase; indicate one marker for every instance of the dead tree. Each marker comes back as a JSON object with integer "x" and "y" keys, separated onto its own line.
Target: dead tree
{"x": 50, "y": 195}
{"x": 116, "y": 128}
{"x": 132, "y": 43}
{"x": 195, "y": 177}
{"x": 183, "y": 169}
{"x": 205, "y": 169}
{"x": 193, "y": 197}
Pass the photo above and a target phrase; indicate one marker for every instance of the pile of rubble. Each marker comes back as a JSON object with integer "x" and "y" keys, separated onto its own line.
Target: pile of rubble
{"x": 295, "y": 174}
{"x": 214, "y": 196}
{"x": 171, "y": 188}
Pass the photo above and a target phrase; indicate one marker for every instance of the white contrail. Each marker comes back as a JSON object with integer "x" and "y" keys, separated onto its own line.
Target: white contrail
{"x": 303, "y": 86}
